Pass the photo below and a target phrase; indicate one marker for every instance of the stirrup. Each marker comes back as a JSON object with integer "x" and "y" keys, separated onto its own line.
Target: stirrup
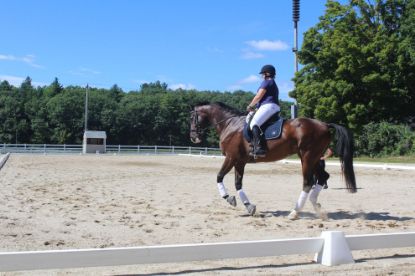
{"x": 257, "y": 153}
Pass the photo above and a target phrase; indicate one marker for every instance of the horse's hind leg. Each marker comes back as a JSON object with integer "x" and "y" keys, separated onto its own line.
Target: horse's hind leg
{"x": 226, "y": 167}
{"x": 307, "y": 168}
{"x": 239, "y": 174}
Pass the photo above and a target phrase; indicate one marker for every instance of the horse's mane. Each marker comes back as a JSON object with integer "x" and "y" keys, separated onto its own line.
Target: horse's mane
{"x": 228, "y": 108}
{"x": 233, "y": 112}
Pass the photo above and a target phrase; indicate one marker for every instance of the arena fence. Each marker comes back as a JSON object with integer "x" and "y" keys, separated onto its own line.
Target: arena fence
{"x": 331, "y": 248}
{"x": 111, "y": 149}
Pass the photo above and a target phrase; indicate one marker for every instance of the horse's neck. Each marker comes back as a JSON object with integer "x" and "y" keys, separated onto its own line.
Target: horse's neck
{"x": 222, "y": 122}
{"x": 216, "y": 118}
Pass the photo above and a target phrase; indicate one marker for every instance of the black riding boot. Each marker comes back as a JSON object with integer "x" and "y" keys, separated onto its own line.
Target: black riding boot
{"x": 257, "y": 150}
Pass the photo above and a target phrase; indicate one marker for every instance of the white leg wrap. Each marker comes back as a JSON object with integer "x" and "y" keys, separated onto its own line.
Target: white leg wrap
{"x": 222, "y": 189}
{"x": 301, "y": 201}
{"x": 243, "y": 196}
{"x": 315, "y": 191}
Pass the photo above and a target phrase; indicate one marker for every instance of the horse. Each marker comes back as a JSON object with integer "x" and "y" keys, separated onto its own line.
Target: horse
{"x": 308, "y": 138}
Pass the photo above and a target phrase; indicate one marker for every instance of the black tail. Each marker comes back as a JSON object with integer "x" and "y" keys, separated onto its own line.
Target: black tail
{"x": 344, "y": 148}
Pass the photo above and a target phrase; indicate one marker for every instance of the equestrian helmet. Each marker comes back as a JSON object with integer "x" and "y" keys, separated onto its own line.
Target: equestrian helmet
{"x": 268, "y": 69}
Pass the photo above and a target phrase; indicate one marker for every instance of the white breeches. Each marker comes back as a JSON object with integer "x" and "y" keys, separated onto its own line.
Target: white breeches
{"x": 263, "y": 113}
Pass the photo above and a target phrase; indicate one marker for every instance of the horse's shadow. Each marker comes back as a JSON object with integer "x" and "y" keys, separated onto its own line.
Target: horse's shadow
{"x": 341, "y": 215}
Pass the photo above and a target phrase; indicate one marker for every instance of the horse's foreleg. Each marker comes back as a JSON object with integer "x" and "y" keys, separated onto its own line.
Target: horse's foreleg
{"x": 239, "y": 174}
{"x": 226, "y": 167}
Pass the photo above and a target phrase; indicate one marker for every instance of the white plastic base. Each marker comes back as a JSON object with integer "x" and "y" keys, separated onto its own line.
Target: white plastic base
{"x": 335, "y": 250}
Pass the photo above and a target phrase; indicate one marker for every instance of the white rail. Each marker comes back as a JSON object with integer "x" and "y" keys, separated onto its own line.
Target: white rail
{"x": 331, "y": 248}
{"x": 113, "y": 149}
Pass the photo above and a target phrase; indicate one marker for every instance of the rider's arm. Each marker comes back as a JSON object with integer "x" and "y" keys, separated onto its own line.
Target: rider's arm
{"x": 261, "y": 92}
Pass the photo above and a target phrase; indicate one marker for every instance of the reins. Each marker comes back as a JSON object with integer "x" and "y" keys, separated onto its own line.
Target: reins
{"x": 201, "y": 130}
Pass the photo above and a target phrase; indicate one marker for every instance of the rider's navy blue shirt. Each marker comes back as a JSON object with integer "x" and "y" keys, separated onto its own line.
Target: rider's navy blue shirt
{"x": 271, "y": 94}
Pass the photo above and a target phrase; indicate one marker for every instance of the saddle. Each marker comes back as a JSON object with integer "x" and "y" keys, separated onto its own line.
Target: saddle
{"x": 271, "y": 129}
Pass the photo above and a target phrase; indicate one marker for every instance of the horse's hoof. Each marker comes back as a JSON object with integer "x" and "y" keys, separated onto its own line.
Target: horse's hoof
{"x": 293, "y": 215}
{"x": 231, "y": 200}
{"x": 323, "y": 216}
{"x": 251, "y": 208}
{"x": 320, "y": 214}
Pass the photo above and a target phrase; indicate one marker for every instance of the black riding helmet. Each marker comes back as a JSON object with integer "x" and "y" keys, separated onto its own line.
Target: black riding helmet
{"x": 268, "y": 69}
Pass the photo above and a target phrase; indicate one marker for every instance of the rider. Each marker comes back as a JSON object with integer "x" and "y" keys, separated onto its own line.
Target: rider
{"x": 266, "y": 102}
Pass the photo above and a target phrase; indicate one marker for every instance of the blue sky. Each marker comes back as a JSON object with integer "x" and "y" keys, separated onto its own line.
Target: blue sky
{"x": 215, "y": 45}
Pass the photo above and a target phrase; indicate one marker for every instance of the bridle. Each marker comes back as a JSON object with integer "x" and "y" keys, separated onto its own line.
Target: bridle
{"x": 195, "y": 119}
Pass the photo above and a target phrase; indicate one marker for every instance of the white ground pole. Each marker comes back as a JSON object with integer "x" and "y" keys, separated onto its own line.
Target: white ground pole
{"x": 4, "y": 159}
{"x": 331, "y": 248}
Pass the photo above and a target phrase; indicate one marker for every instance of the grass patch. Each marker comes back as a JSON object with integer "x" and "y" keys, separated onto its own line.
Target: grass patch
{"x": 409, "y": 159}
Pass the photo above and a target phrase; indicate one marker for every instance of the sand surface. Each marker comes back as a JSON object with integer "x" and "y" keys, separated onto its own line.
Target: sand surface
{"x": 100, "y": 201}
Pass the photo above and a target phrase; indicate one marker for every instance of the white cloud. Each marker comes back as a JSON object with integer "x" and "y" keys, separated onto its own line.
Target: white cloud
{"x": 181, "y": 86}
{"x": 268, "y": 45}
{"x": 250, "y": 79}
{"x": 251, "y": 55}
{"x": 7, "y": 57}
{"x": 28, "y": 59}
{"x": 13, "y": 80}
{"x": 17, "y": 81}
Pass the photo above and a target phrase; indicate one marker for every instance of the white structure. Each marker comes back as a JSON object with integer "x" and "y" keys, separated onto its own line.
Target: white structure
{"x": 94, "y": 142}
{"x": 331, "y": 248}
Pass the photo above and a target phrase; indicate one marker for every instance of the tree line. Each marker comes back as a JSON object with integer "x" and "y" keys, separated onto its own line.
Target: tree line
{"x": 153, "y": 115}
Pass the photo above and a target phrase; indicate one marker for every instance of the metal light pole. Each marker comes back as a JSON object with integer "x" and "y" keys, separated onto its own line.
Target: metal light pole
{"x": 86, "y": 108}
{"x": 296, "y": 18}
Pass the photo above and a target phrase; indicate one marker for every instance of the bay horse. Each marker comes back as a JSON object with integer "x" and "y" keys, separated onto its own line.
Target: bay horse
{"x": 308, "y": 138}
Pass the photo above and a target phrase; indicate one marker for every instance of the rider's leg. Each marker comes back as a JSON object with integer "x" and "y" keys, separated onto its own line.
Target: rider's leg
{"x": 258, "y": 150}
{"x": 260, "y": 117}
{"x": 263, "y": 114}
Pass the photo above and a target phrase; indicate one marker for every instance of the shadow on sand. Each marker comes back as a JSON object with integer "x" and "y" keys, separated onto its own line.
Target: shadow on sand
{"x": 247, "y": 268}
{"x": 339, "y": 215}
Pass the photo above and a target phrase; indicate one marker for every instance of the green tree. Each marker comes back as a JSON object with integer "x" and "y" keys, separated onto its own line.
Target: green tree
{"x": 66, "y": 116}
{"x": 352, "y": 72}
